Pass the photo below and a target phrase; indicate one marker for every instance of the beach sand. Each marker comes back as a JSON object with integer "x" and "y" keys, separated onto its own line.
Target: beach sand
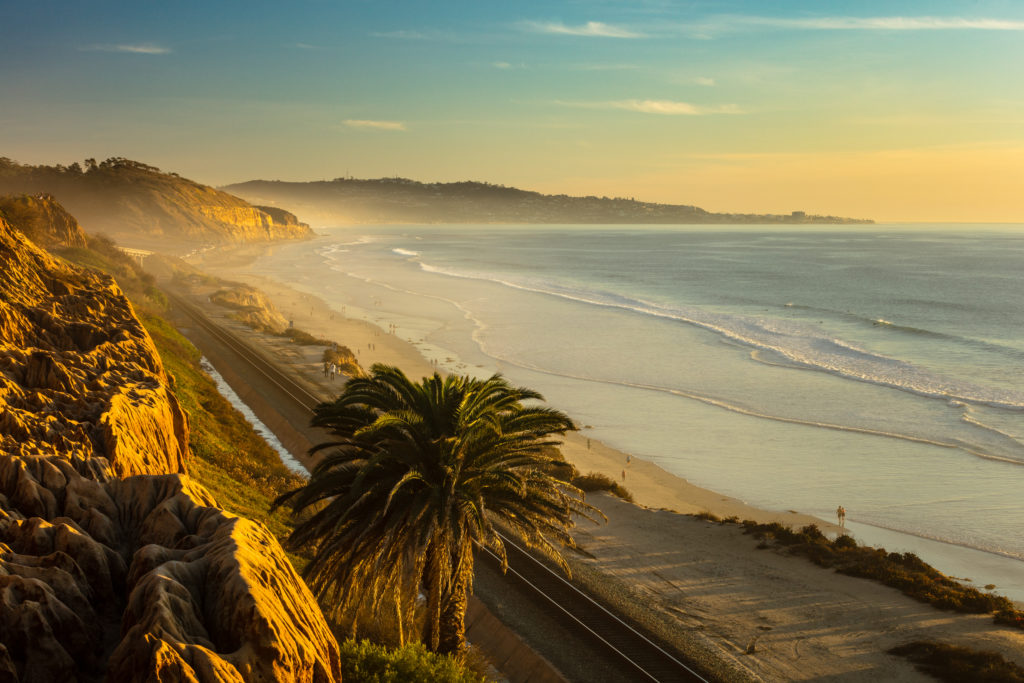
{"x": 781, "y": 617}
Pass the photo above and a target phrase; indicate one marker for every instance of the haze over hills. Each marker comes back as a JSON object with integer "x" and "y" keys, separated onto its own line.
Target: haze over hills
{"x": 399, "y": 200}
{"x": 137, "y": 203}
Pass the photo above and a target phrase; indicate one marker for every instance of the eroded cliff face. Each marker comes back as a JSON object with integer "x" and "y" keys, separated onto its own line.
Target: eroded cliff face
{"x": 79, "y": 376}
{"x": 137, "y": 203}
{"x": 251, "y": 306}
{"x": 42, "y": 220}
{"x": 114, "y": 564}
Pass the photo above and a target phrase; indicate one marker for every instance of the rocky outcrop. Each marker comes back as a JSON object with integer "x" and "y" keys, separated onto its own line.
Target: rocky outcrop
{"x": 42, "y": 220}
{"x": 251, "y": 306}
{"x": 114, "y": 564}
{"x": 141, "y": 205}
{"x": 79, "y": 376}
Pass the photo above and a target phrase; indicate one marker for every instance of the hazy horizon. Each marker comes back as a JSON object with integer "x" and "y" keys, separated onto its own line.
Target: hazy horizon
{"x": 897, "y": 111}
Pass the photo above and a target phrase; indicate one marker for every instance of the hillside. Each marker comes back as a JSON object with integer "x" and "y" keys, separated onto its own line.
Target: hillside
{"x": 43, "y": 220}
{"x": 141, "y": 205}
{"x": 114, "y": 563}
{"x": 398, "y": 200}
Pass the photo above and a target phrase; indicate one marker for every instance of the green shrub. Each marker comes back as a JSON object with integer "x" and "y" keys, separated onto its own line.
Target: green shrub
{"x": 366, "y": 662}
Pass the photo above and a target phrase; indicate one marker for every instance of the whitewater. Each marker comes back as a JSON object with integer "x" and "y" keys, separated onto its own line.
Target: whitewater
{"x": 796, "y": 368}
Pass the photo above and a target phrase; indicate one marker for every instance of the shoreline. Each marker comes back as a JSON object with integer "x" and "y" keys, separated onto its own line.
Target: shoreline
{"x": 779, "y": 617}
{"x": 651, "y": 485}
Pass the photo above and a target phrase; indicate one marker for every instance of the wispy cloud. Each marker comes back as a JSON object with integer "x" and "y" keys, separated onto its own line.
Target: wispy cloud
{"x": 879, "y": 23}
{"x": 663, "y": 107}
{"x": 413, "y": 35}
{"x": 375, "y": 125}
{"x": 593, "y": 29}
{"x": 705, "y": 81}
{"x": 140, "y": 48}
{"x": 305, "y": 46}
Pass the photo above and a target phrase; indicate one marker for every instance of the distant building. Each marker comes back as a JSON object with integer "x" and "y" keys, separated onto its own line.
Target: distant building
{"x": 798, "y": 215}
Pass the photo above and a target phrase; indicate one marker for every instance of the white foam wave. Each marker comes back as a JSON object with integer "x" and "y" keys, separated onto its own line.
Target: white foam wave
{"x": 405, "y": 252}
{"x": 800, "y": 343}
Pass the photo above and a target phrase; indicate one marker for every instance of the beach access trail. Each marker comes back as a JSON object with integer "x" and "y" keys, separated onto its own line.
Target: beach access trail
{"x": 780, "y": 617}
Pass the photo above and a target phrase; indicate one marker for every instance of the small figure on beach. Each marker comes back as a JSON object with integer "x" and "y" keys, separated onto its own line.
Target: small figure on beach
{"x": 334, "y": 370}
{"x": 841, "y": 514}
{"x": 327, "y": 368}
{"x": 623, "y": 475}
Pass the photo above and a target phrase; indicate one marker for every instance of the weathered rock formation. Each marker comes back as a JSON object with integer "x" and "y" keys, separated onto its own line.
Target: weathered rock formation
{"x": 250, "y": 306}
{"x": 43, "y": 220}
{"x": 114, "y": 564}
{"x": 141, "y": 205}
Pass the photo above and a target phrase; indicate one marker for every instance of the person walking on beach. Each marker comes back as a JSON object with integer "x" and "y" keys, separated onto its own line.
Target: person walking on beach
{"x": 334, "y": 370}
{"x": 841, "y": 514}
{"x": 327, "y": 367}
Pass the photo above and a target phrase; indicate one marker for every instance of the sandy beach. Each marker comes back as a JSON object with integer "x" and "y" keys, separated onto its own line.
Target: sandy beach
{"x": 780, "y": 617}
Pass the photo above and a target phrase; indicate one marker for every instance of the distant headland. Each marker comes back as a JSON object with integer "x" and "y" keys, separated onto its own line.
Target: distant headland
{"x": 400, "y": 200}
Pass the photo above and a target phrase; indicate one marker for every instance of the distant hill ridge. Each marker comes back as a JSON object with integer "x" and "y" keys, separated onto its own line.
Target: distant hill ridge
{"x": 135, "y": 202}
{"x": 400, "y": 200}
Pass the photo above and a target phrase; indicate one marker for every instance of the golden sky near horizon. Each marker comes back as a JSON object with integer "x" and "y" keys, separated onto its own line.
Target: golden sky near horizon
{"x": 896, "y": 110}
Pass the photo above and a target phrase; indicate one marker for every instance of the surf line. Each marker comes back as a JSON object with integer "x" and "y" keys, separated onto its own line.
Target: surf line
{"x": 717, "y": 403}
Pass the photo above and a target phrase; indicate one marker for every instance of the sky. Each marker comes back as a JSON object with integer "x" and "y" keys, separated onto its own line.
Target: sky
{"x": 898, "y": 110}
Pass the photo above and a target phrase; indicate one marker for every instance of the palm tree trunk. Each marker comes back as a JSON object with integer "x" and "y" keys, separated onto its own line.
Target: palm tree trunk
{"x": 432, "y": 588}
{"x": 453, "y": 607}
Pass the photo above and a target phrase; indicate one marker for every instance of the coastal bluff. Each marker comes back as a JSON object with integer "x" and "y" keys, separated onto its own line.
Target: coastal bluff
{"x": 138, "y": 204}
{"x": 114, "y": 564}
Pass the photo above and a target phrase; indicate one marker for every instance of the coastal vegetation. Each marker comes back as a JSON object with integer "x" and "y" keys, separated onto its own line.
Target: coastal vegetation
{"x": 419, "y": 473}
{"x": 954, "y": 664}
{"x": 903, "y": 571}
{"x": 363, "y": 661}
{"x": 595, "y": 481}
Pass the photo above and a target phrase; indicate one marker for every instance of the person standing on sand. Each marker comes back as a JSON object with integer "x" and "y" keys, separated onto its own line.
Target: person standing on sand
{"x": 841, "y": 514}
{"x": 334, "y": 370}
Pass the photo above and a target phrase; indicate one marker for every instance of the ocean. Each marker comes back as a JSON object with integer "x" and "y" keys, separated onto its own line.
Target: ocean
{"x": 794, "y": 367}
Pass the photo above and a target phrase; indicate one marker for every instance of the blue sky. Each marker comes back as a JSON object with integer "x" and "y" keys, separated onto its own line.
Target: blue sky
{"x": 892, "y": 110}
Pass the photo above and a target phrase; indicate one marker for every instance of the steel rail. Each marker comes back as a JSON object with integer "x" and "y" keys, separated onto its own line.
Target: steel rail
{"x": 308, "y": 400}
{"x": 608, "y": 615}
{"x": 286, "y": 384}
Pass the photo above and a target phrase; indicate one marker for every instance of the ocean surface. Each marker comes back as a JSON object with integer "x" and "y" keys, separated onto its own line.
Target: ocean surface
{"x": 796, "y": 368}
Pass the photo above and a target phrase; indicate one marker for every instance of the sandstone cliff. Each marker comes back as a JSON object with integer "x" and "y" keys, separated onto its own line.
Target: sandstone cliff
{"x": 42, "y": 220}
{"x": 114, "y": 564}
{"x": 139, "y": 204}
{"x": 252, "y": 307}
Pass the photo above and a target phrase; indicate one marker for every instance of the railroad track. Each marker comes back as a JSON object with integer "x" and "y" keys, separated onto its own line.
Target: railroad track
{"x": 645, "y": 659}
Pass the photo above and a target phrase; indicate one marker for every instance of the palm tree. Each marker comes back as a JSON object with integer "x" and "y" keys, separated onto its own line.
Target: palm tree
{"x": 418, "y": 474}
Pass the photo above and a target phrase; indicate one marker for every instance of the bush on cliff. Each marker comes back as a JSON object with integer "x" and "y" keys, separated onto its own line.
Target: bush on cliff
{"x": 366, "y": 662}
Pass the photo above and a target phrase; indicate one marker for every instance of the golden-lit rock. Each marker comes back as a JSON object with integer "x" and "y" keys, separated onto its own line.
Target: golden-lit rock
{"x": 250, "y": 306}
{"x": 114, "y": 564}
{"x": 133, "y": 201}
{"x": 43, "y": 220}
